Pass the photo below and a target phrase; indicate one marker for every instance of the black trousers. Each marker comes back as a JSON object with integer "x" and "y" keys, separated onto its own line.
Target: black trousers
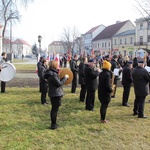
{"x": 103, "y": 110}
{"x": 90, "y": 98}
{"x": 74, "y": 82}
{"x": 3, "y": 85}
{"x": 56, "y": 102}
{"x": 82, "y": 93}
{"x": 43, "y": 97}
{"x": 139, "y": 105}
{"x": 126, "y": 93}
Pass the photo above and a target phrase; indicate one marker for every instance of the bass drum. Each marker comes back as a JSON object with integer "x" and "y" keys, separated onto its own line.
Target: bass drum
{"x": 7, "y": 72}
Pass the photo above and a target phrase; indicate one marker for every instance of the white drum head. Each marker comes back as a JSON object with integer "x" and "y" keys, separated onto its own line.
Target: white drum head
{"x": 8, "y": 72}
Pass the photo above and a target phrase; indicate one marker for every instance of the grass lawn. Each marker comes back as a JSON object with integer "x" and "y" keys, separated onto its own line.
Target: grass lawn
{"x": 24, "y": 124}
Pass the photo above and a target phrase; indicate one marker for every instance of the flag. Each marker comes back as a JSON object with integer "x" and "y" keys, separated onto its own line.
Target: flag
{"x": 69, "y": 54}
{"x": 92, "y": 51}
{"x": 56, "y": 57}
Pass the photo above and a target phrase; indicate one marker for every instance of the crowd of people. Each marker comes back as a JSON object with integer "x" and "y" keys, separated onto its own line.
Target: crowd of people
{"x": 93, "y": 73}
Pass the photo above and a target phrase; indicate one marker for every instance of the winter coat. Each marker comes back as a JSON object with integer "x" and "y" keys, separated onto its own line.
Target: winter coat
{"x": 104, "y": 88}
{"x": 127, "y": 76}
{"x": 81, "y": 73}
{"x": 90, "y": 79}
{"x": 141, "y": 79}
{"x": 43, "y": 81}
{"x": 54, "y": 83}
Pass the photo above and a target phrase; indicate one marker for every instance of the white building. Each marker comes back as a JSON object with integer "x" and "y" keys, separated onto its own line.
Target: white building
{"x": 1, "y": 38}
{"x": 90, "y": 35}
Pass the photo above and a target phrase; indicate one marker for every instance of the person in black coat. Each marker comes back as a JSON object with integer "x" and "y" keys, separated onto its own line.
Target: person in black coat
{"x": 81, "y": 79}
{"x": 43, "y": 82}
{"x": 115, "y": 65}
{"x": 55, "y": 91}
{"x": 126, "y": 82}
{"x": 3, "y": 59}
{"x": 104, "y": 90}
{"x": 74, "y": 69}
{"x": 39, "y": 65}
{"x": 91, "y": 83}
{"x": 141, "y": 79}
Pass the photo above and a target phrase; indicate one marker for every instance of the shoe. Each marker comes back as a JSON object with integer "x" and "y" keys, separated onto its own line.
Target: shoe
{"x": 104, "y": 121}
{"x": 127, "y": 105}
{"x": 135, "y": 113}
{"x": 53, "y": 126}
{"x": 112, "y": 96}
{"x": 46, "y": 102}
{"x": 144, "y": 117}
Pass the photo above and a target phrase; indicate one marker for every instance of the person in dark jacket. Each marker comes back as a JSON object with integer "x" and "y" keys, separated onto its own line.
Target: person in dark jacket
{"x": 126, "y": 82}
{"x": 55, "y": 91}
{"x": 74, "y": 69}
{"x": 3, "y": 59}
{"x": 104, "y": 90}
{"x": 115, "y": 65}
{"x": 135, "y": 62}
{"x": 81, "y": 79}
{"x": 141, "y": 79}
{"x": 43, "y": 82}
{"x": 39, "y": 65}
{"x": 91, "y": 83}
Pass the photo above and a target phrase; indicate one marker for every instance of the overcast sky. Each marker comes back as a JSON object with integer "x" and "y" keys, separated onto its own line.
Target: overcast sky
{"x": 48, "y": 18}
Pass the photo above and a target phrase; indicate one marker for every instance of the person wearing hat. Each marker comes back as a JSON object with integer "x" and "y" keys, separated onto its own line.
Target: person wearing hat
{"x": 126, "y": 82}
{"x": 115, "y": 65}
{"x": 104, "y": 90}
{"x": 91, "y": 83}
{"x": 39, "y": 65}
{"x": 141, "y": 79}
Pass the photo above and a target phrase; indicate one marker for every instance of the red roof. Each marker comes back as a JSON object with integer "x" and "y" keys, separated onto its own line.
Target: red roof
{"x": 109, "y": 31}
{"x": 92, "y": 30}
{"x": 20, "y": 41}
{"x": 56, "y": 43}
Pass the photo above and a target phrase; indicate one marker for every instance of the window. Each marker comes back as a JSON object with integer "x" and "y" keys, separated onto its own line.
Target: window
{"x": 102, "y": 44}
{"x": 105, "y": 44}
{"x": 141, "y": 40}
{"x": 141, "y": 26}
{"x": 131, "y": 40}
{"x": 125, "y": 41}
{"x": 120, "y": 41}
{"x": 148, "y": 40}
{"x": 148, "y": 25}
{"x": 115, "y": 43}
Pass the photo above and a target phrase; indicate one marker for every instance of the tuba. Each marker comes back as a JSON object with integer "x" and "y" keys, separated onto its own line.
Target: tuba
{"x": 65, "y": 71}
{"x": 113, "y": 85}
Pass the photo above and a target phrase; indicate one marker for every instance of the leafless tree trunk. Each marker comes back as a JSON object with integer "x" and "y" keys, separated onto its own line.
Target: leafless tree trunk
{"x": 69, "y": 38}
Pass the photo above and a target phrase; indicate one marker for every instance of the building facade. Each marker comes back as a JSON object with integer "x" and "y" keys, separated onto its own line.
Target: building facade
{"x": 90, "y": 35}
{"x": 104, "y": 41}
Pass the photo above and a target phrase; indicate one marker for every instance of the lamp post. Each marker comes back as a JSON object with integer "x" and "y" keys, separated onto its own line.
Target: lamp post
{"x": 39, "y": 40}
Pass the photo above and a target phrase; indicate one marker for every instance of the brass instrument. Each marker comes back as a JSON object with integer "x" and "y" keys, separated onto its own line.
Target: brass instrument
{"x": 113, "y": 85}
{"x": 65, "y": 71}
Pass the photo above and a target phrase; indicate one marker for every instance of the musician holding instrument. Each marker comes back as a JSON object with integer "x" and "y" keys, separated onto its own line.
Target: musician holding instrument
{"x": 74, "y": 69}
{"x": 115, "y": 65}
{"x": 126, "y": 82}
{"x": 141, "y": 80}
{"x": 91, "y": 73}
{"x": 104, "y": 90}
{"x": 3, "y": 59}
{"x": 55, "y": 90}
{"x": 81, "y": 79}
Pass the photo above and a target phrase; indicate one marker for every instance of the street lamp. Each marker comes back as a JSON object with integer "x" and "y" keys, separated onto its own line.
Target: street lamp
{"x": 39, "y": 40}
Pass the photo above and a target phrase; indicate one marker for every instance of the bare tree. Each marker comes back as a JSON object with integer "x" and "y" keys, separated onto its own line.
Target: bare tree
{"x": 9, "y": 11}
{"x": 69, "y": 38}
{"x": 79, "y": 43}
{"x": 144, "y": 8}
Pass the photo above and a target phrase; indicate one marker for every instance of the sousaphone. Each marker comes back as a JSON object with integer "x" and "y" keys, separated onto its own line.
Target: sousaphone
{"x": 65, "y": 71}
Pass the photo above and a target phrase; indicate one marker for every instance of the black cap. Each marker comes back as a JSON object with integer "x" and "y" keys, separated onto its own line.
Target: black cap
{"x": 129, "y": 62}
{"x": 107, "y": 56}
{"x": 140, "y": 61}
{"x": 115, "y": 56}
{"x": 91, "y": 60}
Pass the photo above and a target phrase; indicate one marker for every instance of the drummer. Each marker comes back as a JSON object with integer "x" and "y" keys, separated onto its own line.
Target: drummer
{"x": 3, "y": 59}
